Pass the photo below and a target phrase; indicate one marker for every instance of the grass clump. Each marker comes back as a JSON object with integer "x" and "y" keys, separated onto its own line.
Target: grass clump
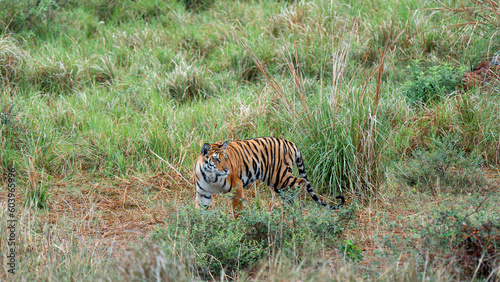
{"x": 187, "y": 82}
{"x": 220, "y": 243}
{"x": 16, "y": 15}
{"x": 37, "y": 197}
{"x": 482, "y": 20}
{"x": 152, "y": 263}
{"x": 56, "y": 77}
{"x": 13, "y": 61}
{"x": 443, "y": 167}
{"x": 431, "y": 84}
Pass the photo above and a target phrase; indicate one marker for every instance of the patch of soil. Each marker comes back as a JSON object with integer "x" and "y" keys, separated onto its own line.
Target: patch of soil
{"x": 486, "y": 72}
{"x": 118, "y": 211}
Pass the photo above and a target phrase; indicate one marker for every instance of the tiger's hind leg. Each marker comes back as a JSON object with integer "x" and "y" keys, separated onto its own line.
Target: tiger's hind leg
{"x": 305, "y": 187}
{"x": 298, "y": 188}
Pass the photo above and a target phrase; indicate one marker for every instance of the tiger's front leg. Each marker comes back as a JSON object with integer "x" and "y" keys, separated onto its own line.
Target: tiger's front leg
{"x": 203, "y": 201}
{"x": 238, "y": 199}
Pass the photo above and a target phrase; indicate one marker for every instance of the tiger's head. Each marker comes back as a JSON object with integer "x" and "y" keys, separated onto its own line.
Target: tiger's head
{"x": 214, "y": 162}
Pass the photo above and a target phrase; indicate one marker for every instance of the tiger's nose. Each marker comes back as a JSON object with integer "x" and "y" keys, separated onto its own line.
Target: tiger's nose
{"x": 226, "y": 170}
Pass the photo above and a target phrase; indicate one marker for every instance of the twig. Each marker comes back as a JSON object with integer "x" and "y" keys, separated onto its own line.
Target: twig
{"x": 478, "y": 266}
{"x": 157, "y": 220}
{"x": 172, "y": 167}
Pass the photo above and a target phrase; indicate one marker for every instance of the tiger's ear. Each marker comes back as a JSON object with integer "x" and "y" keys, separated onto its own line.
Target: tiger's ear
{"x": 224, "y": 146}
{"x": 205, "y": 149}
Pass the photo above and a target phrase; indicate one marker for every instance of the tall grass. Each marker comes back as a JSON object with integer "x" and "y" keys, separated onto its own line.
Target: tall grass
{"x": 341, "y": 145}
{"x": 98, "y": 89}
{"x": 331, "y": 93}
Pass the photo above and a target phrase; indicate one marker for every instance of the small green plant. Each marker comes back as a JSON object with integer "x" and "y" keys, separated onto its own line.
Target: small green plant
{"x": 351, "y": 251}
{"x": 37, "y": 197}
{"x": 429, "y": 84}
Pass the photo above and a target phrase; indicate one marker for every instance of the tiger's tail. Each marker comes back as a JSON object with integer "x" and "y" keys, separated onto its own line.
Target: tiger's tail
{"x": 299, "y": 161}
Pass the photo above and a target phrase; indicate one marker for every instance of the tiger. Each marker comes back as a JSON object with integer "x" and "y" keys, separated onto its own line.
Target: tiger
{"x": 222, "y": 167}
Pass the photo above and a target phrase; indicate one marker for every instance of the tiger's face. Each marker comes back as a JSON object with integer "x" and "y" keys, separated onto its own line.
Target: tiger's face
{"x": 215, "y": 164}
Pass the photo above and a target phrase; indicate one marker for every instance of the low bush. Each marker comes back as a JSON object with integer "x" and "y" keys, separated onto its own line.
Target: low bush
{"x": 429, "y": 84}
{"x": 443, "y": 167}
{"x": 220, "y": 243}
{"x": 470, "y": 243}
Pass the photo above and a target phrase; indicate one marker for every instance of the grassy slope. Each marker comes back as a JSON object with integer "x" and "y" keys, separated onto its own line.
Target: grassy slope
{"x": 89, "y": 90}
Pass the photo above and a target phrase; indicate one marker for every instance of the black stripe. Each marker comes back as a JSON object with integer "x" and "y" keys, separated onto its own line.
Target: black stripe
{"x": 271, "y": 162}
{"x": 246, "y": 167}
{"x": 247, "y": 151}
{"x": 252, "y": 152}
{"x": 279, "y": 174}
{"x": 199, "y": 186}
{"x": 284, "y": 183}
{"x": 245, "y": 184}
{"x": 259, "y": 140}
{"x": 204, "y": 176}
{"x": 266, "y": 152}
{"x": 249, "y": 174}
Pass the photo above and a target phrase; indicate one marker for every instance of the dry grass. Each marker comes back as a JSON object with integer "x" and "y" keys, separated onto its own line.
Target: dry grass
{"x": 110, "y": 218}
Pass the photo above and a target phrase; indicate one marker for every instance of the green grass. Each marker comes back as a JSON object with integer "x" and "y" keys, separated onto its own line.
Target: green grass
{"x": 93, "y": 89}
{"x": 216, "y": 243}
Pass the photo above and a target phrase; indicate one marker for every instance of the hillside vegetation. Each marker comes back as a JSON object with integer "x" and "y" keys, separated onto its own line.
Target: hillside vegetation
{"x": 105, "y": 105}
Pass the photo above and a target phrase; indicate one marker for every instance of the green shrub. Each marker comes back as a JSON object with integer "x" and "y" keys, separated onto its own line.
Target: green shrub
{"x": 220, "y": 242}
{"x": 471, "y": 243}
{"x": 351, "y": 251}
{"x": 444, "y": 166}
{"x": 429, "y": 84}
